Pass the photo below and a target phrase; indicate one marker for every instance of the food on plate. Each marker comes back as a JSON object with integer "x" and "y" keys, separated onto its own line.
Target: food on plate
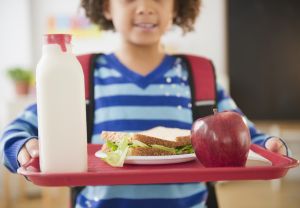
{"x": 221, "y": 140}
{"x": 153, "y": 142}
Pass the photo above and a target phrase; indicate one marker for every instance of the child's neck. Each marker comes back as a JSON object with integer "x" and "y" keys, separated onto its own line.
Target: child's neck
{"x": 141, "y": 59}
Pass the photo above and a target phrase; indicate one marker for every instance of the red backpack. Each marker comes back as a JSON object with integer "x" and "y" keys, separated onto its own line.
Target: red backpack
{"x": 203, "y": 89}
{"x": 202, "y": 82}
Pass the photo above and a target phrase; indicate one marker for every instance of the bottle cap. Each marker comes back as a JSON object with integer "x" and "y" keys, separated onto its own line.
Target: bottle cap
{"x": 60, "y": 39}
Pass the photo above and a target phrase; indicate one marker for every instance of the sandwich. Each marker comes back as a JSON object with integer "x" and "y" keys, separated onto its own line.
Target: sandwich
{"x": 157, "y": 141}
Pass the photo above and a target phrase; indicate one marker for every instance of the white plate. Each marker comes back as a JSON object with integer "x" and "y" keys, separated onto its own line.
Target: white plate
{"x": 154, "y": 160}
{"x": 166, "y": 159}
{"x": 253, "y": 159}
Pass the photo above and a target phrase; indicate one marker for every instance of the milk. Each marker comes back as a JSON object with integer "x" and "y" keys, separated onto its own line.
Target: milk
{"x": 61, "y": 108}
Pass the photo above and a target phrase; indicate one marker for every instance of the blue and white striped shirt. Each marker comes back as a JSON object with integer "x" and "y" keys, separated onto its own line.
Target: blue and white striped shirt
{"x": 127, "y": 101}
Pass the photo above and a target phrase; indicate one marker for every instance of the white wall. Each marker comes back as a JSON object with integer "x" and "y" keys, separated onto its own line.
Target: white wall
{"x": 41, "y": 10}
{"x": 15, "y": 45}
{"x": 15, "y": 39}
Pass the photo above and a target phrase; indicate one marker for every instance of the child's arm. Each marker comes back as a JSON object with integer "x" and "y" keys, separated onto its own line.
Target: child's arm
{"x": 273, "y": 143}
{"x": 18, "y": 142}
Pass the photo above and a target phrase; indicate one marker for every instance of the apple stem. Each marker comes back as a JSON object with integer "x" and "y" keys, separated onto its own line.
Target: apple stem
{"x": 215, "y": 110}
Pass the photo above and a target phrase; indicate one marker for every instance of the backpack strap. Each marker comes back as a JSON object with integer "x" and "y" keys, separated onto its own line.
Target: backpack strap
{"x": 87, "y": 62}
{"x": 202, "y": 80}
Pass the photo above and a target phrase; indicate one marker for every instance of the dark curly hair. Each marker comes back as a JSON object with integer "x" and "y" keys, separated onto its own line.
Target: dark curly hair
{"x": 186, "y": 13}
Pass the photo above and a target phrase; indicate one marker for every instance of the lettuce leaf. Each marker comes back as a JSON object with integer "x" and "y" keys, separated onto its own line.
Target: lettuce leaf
{"x": 137, "y": 143}
{"x": 178, "y": 150}
{"x": 172, "y": 150}
{"x": 111, "y": 145}
{"x": 117, "y": 157}
{"x": 184, "y": 149}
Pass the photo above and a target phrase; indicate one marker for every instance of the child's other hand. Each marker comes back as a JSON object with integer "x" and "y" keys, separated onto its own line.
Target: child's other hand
{"x": 274, "y": 144}
{"x": 28, "y": 151}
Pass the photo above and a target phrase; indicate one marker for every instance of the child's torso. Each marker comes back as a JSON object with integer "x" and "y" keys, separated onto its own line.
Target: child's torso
{"x": 126, "y": 101}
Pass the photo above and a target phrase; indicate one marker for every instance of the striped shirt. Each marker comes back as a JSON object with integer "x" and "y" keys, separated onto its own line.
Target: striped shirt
{"x": 127, "y": 101}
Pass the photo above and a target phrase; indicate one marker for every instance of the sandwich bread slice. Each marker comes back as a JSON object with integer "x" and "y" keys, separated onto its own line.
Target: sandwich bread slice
{"x": 153, "y": 142}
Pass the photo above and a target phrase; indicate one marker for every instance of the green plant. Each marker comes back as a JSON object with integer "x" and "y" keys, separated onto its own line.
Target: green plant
{"x": 20, "y": 74}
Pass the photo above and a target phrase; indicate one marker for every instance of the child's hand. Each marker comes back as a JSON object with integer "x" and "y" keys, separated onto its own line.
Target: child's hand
{"x": 28, "y": 151}
{"x": 276, "y": 145}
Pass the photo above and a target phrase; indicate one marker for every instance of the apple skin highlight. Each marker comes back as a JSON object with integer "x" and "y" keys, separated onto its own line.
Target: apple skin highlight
{"x": 221, "y": 140}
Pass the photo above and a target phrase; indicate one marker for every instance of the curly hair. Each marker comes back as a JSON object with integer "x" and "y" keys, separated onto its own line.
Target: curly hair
{"x": 186, "y": 13}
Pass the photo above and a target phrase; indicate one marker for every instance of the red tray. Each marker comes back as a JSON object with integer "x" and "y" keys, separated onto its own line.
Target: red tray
{"x": 100, "y": 173}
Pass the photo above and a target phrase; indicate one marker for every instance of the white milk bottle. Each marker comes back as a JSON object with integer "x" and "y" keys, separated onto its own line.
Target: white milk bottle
{"x": 61, "y": 107}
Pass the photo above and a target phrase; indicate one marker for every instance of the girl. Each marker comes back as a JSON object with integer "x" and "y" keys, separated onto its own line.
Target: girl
{"x": 137, "y": 87}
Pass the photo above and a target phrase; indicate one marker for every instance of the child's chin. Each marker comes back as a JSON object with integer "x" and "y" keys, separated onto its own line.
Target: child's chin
{"x": 144, "y": 41}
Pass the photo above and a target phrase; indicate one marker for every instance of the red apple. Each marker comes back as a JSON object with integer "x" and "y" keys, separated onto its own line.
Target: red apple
{"x": 221, "y": 140}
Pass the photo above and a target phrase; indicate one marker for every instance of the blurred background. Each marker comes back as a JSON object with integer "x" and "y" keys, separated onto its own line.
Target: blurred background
{"x": 255, "y": 47}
